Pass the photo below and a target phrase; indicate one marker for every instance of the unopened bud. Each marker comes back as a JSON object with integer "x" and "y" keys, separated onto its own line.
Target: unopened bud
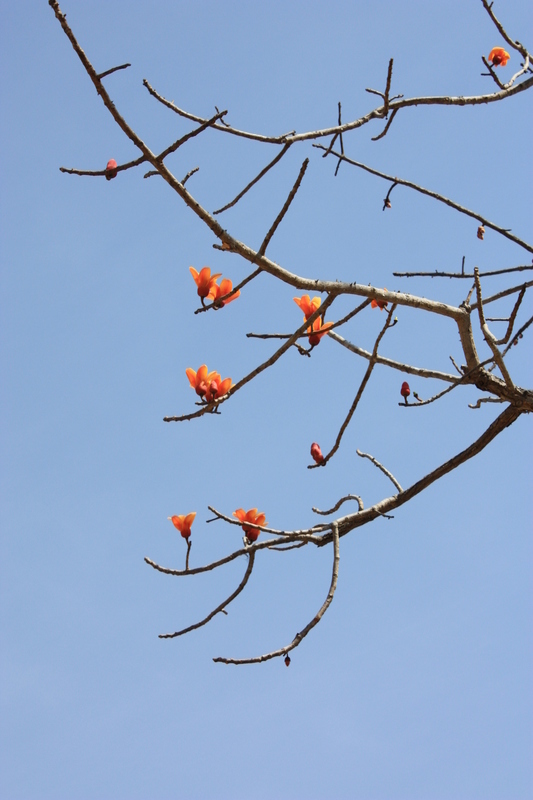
{"x": 111, "y": 169}
{"x": 316, "y": 453}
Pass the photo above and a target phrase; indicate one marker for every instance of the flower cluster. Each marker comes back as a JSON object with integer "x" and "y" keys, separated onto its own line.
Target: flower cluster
{"x": 252, "y": 517}
{"x": 318, "y": 328}
{"x": 208, "y": 385}
{"x": 207, "y": 286}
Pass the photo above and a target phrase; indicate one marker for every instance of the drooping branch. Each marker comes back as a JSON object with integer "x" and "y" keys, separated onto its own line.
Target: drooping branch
{"x": 316, "y": 619}
{"x": 219, "y": 608}
{"x": 441, "y": 198}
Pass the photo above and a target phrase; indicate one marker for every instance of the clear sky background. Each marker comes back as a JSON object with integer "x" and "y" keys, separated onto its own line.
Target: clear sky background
{"x": 417, "y": 683}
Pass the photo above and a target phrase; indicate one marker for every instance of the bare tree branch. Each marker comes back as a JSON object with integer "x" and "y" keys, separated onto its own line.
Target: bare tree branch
{"x": 316, "y": 619}
{"x": 384, "y": 470}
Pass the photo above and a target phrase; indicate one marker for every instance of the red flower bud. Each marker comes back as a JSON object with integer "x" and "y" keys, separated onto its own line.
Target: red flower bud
{"x": 111, "y": 169}
{"x": 287, "y": 661}
{"x": 316, "y": 453}
{"x": 201, "y": 389}
{"x": 480, "y": 232}
{"x": 405, "y": 391}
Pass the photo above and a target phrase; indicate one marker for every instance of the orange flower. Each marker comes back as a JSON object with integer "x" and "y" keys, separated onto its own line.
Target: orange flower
{"x": 216, "y": 387}
{"x": 183, "y": 523}
{"x": 316, "y": 331}
{"x": 253, "y": 517}
{"x": 208, "y": 385}
{"x": 499, "y": 56}
{"x": 381, "y": 304}
{"x": 225, "y": 287}
{"x": 204, "y": 280}
{"x": 307, "y": 305}
{"x": 198, "y": 380}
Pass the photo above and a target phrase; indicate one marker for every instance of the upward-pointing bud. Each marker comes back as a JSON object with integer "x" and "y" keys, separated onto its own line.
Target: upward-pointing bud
{"x": 316, "y": 453}
{"x": 111, "y": 169}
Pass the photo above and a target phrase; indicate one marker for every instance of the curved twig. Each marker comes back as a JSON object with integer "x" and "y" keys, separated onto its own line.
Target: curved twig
{"x": 316, "y": 619}
{"x": 384, "y": 470}
{"x": 254, "y": 181}
{"x": 339, "y": 504}
{"x": 435, "y": 195}
{"x": 219, "y": 608}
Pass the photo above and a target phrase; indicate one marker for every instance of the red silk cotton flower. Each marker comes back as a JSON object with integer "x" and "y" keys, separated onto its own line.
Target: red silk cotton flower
{"x": 381, "y": 304}
{"x": 317, "y": 329}
{"x": 111, "y": 169}
{"x": 204, "y": 280}
{"x": 208, "y": 385}
{"x": 405, "y": 391}
{"x": 316, "y": 453}
{"x": 225, "y": 287}
{"x": 183, "y": 523}
{"x": 253, "y": 517}
{"x": 499, "y": 56}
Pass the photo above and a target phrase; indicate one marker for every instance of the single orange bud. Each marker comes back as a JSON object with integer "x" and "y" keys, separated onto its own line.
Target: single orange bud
{"x": 111, "y": 169}
{"x": 480, "y": 232}
{"x": 405, "y": 391}
{"x": 287, "y": 661}
{"x": 316, "y": 453}
{"x": 388, "y": 203}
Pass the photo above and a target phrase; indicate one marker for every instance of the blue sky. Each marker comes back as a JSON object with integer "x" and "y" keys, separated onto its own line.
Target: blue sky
{"x": 417, "y": 683}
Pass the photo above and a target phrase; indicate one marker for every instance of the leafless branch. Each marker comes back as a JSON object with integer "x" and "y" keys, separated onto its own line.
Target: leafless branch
{"x": 254, "y": 181}
{"x": 485, "y": 400}
{"x": 435, "y": 195}
{"x": 518, "y": 335}
{"x": 470, "y": 275}
{"x": 512, "y": 318}
{"x": 285, "y": 208}
{"x": 384, "y": 470}
{"x": 221, "y": 607}
{"x": 362, "y": 386}
{"x": 113, "y": 69}
{"x": 316, "y": 619}
{"x": 339, "y": 504}
{"x": 489, "y": 337}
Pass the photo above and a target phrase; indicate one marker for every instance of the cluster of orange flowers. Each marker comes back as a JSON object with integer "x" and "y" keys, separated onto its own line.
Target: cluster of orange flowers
{"x": 318, "y": 328}
{"x": 209, "y": 288}
{"x": 208, "y": 385}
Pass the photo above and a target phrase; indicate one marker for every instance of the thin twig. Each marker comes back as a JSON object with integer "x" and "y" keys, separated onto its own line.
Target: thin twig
{"x": 285, "y": 208}
{"x": 435, "y": 195}
{"x": 189, "y": 175}
{"x": 386, "y": 128}
{"x": 485, "y": 400}
{"x": 113, "y": 69}
{"x": 489, "y": 337}
{"x": 362, "y": 386}
{"x": 339, "y": 504}
{"x": 384, "y": 470}
{"x": 221, "y": 607}
{"x": 254, "y": 181}
{"x": 389, "y": 362}
{"x": 512, "y": 318}
{"x": 316, "y": 619}
{"x": 470, "y": 275}
{"x": 518, "y": 335}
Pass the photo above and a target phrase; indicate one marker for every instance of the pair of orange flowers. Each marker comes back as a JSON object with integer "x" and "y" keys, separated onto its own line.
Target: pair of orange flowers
{"x": 318, "y": 328}
{"x": 183, "y": 522}
{"x": 208, "y": 385}
{"x": 209, "y": 288}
